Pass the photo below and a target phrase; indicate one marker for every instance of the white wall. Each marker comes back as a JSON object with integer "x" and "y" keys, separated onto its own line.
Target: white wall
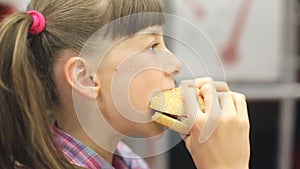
{"x": 19, "y": 4}
{"x": 260, "y": 51}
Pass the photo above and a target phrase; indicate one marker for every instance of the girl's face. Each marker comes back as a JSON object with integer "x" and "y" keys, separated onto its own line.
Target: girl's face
{"x": 131, "y": 72}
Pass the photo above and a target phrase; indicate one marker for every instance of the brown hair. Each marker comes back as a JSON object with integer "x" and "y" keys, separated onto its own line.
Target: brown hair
{"x": 27, "y": 87}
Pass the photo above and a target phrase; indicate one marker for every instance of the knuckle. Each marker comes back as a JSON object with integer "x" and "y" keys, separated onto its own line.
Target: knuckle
{"x": 210, "y": 79}
{"x": 222, "y": 84}
{"x": 228, "y": 95}
{"x": 207, "y": 88}
{"x": 205, "y": 79}
{"x": 187, "y": 83}
{"x": 241, "y": 101}
{"x": 239, "y": 96}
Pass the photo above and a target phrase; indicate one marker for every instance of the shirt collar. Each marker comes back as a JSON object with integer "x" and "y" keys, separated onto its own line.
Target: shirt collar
{"x": 81, "y": 155}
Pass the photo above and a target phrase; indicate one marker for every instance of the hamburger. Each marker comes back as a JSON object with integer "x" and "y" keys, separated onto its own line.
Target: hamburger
{"x": 169, "y": 110}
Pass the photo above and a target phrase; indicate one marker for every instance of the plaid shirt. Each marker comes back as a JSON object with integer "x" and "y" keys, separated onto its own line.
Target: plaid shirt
{"x": 81, "y": 155}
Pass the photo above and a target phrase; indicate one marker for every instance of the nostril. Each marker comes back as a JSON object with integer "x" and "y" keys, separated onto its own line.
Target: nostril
{"x": 179, "y": 67}
{"x": 173, "y": 68}
{"x": 172, "y": 71}
{"x": 175, "y": 72}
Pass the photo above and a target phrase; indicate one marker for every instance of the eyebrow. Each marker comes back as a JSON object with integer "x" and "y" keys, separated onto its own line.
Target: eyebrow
{"x": 152, "y": 31}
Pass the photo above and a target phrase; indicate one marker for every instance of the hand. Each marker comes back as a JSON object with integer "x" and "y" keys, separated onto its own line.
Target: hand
{"x": 199, "y": 82}
{"x": 219, "y": 138}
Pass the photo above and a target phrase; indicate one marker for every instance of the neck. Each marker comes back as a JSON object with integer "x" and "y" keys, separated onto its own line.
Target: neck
{"x": 94, "y": 133}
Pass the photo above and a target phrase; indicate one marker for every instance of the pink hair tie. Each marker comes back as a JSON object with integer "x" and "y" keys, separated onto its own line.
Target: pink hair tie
{"x": 39, "y": 23}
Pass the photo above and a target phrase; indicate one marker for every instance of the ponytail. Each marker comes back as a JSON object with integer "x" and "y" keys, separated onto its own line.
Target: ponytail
{"x": 25, "y": 136}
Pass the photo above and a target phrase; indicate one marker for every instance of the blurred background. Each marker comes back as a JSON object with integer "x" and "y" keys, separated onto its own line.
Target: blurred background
{"x": 258, "y": 46}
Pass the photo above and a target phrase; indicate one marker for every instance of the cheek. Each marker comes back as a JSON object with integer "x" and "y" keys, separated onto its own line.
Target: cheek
{"x": 141, "y": 87}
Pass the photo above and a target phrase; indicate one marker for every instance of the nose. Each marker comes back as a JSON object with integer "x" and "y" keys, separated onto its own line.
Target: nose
{"x": 173, "y": 65}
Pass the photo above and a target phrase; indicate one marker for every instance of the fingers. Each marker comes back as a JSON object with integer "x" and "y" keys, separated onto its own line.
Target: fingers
{"x": 235, "y": 104}
{"x": 218, "y": 99}
{"x": 191, "y": 105}
{"x": 241, "y": 105}
{"x": 230, "y": 102}
{"x": 211, "y": 100}
{"x": 227, "y": 102}
{"x": 221, "y": 86}
{"x": 213, "y": 112}
{"x": 196, "y": 82}
{"x": 202, "y": 81}
{"x": 199, "y": 82}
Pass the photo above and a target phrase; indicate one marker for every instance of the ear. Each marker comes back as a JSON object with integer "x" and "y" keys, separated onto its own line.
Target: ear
{"x": 80, "y": 79}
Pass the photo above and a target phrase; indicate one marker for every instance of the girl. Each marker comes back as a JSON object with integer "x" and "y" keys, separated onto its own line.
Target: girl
{"x": 41, "y": 72}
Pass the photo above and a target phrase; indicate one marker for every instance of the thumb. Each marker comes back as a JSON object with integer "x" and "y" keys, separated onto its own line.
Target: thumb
{"x": 214, "y": 112}
{"x": 191, "y": 105}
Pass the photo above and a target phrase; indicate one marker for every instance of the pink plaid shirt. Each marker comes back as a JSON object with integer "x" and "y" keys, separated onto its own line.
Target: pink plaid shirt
{"x": 81, "y": 155}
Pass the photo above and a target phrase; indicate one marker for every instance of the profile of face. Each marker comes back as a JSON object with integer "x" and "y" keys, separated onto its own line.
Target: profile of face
{"x": 133, "y": 70}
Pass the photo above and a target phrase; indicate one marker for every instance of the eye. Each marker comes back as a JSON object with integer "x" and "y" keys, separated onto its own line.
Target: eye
{"x": 153, "y": 47}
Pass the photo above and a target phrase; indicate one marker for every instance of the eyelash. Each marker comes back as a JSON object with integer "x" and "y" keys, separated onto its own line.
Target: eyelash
{"x": 152, "y": 48}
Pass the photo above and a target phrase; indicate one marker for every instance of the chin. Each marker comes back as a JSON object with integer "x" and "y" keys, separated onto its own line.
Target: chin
{"x": 155, "y": 130}
{"x": 149, "y": 130}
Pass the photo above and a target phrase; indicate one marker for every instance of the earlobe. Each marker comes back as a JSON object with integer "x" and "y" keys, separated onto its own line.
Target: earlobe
{"x": 77, "y": 75}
